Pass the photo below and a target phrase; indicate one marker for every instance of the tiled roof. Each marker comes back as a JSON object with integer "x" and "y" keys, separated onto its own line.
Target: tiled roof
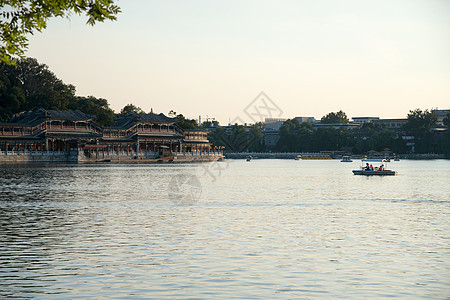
{"x": 131, "y": 119}
{"x": 68, "y": 115}
{"x": 153, "y": 118}
{"x": 73, "y": 134}
{"x": 36, "y": 117}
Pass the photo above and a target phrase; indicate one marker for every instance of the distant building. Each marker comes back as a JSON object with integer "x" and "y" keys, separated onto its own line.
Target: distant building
{"x": 271, "y": 130}
{"x": 273, "y": 125}
{"x": 441, "y": 114}
{"x": 273, "y": 120}
{"x": 306, "y": 119}
{"x": 392, "y": 124}
{"x": 49, "y": 130}
{"x": 271, "y": 138}
{"x": 337, "y": 125}
{"x": 362, "y": 120}
{"x": 70, "y": 133}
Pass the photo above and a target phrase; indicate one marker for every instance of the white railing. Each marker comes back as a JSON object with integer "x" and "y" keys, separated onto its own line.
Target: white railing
{"x": 198, "y": 153}
{"x": 26, "y": 152}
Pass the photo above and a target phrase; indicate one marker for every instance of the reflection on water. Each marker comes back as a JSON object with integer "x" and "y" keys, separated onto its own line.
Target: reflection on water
{"x": 269, "y": 228}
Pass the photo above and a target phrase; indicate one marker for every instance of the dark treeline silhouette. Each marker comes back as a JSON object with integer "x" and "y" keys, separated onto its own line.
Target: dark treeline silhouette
{"x": 295, "y": 136}
{"x": 29, "y": 85}
{"x": 237, "y": 138}
{"x": 302, "y": 137}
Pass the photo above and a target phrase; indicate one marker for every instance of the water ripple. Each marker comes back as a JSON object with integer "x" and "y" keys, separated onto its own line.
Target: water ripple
{"x": 261, "y": 230}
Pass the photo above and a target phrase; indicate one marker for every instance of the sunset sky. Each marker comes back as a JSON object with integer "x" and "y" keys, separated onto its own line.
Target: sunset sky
{"x": 212, "y": 58}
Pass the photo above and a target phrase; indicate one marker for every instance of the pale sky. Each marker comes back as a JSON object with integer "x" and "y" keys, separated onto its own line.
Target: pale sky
{"x": 212, "y": 58}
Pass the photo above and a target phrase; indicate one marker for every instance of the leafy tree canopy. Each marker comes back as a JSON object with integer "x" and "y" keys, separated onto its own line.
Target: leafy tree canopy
{"x": 420, "y": 122}
{"x": 335, "y": 118}
{"x": 19, "y": 18}
{"x": 131, "y": 108}
{"x": 446, "y": 120}
{"x": 209, "y": 124}
{"x": 186, "y": 123}
{"x": 30, "y": 85}
{"x": 95, "y": 106}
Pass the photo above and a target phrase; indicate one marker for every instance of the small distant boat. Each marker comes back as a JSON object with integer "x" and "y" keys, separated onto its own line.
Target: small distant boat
{"x": 368, "y": 170}
{"x": 298, "y": 157}
{"x": 346, "y": 159}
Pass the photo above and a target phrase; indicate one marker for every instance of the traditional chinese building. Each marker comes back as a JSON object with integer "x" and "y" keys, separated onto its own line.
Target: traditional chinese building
{"x": 195, "y": 140}
{"x": 74, "y": 133}
{"x": 49, "y": 130}
{"x": 150, "y": 132}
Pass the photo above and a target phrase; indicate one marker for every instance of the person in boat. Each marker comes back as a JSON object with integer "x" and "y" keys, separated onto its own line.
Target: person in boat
{"x": 367, "y": 168}
{"x": 371, "y": 167}
{"x": 381, "y": 167}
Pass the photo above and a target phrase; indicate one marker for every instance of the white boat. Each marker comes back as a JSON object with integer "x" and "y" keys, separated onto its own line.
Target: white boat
{"x": 346, "y": 159}
{"x": 369, "y": 170}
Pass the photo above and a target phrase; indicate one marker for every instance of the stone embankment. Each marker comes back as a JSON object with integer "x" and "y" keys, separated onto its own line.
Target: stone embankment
{"x": 274, "y": 155}
{"x": 78, "y": 156}
{"x": 423, "y": 156}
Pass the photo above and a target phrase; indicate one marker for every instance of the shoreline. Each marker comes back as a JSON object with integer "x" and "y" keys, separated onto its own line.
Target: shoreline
{"x": 293, "y": 155}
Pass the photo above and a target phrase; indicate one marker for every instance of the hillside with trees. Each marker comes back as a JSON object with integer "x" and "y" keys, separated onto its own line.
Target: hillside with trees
{"x": 28, "y": 85}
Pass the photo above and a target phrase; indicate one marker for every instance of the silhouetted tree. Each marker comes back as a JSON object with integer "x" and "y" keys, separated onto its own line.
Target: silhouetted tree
{"x": 420, "y": 124}
{"x": 131, "y": 108}
{"x": 186, "y": 123}
{"x": 95, "y": 106}
{"x": 31, "y": 85}
{"x": 334, "y": 118}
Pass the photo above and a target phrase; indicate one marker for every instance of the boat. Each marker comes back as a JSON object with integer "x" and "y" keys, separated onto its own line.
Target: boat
{"x": 346, "y": 159}
{"x": 298, "y": 157}
{"x": 367, "y": 170}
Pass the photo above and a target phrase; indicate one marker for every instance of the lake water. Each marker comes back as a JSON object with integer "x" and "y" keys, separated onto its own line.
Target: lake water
{"x": 235, "y": 229}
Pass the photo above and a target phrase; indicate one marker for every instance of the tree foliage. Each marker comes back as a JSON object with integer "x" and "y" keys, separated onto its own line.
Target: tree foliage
{"x": 446, "y": 120}
{"x": 19, "y": 18}
{"x": 339, "y": 117}
{"x": 98, "y": 107}
{"x": 239, "y": 138}
{"x": 131, "y": 108}
{"x": 303, "y": 137}
{"x": 186, "y": 123}
{"x": 30, "y": 85}
{"x": 209, "y": 124}
{"x": 420, "y": 123}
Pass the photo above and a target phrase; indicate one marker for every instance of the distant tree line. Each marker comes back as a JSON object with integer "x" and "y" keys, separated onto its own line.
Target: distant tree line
{"x": 303, "y": 137}
{"x": 238, "y": 138}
